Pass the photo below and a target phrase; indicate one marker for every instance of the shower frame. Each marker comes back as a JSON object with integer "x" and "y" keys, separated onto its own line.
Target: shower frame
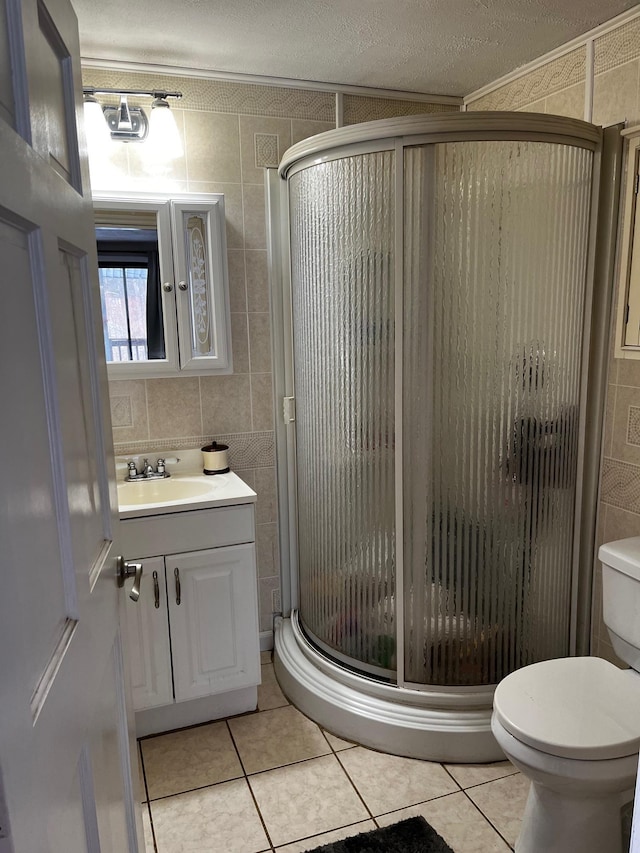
{"x": 453, "y": 723}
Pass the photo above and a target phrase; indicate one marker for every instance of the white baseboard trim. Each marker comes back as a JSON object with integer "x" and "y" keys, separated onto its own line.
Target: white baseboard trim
{"x": 266, "y": 641}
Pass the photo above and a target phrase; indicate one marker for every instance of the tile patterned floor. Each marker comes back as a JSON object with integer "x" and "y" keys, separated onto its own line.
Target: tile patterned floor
{"x": 275, "y": 781}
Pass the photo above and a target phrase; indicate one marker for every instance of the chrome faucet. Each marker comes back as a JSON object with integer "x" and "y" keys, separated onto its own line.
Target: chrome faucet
{"x": 148, "y": 472}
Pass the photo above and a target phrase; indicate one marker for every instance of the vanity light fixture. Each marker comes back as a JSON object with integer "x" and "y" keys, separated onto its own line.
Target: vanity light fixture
{"x": 130, "y": 123}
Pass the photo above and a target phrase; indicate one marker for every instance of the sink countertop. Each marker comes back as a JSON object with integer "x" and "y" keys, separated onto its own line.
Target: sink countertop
{"x": 185, "y": 467}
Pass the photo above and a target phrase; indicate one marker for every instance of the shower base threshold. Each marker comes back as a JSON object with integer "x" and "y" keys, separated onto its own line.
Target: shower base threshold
{"x": 436, "y": 724}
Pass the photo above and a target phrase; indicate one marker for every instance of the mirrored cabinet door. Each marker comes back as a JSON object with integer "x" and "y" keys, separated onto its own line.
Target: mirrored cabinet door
{"x": 201, "y": 297}
{"x": 163, "y": 284}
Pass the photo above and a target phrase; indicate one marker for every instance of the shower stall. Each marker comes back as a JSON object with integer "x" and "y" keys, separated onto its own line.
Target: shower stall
{"x": 433, "y": 337}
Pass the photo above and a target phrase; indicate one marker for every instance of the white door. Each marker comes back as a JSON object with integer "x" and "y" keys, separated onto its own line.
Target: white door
{"x": 65, "y": 777}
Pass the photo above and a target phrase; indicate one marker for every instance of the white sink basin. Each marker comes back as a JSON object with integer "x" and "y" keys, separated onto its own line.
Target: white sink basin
{"x": 169, "y": 491}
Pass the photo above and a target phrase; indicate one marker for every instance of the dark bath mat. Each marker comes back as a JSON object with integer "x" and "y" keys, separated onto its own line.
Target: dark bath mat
{"x": 413, "y": 835}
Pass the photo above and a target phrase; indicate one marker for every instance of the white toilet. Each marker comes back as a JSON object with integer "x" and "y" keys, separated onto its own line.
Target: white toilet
{"x": 572, "y": 726}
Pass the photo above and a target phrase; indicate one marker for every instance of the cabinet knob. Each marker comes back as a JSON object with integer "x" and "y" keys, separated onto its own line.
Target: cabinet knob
{"x": 183, "y": 285}
{"x": 167, "y": 287}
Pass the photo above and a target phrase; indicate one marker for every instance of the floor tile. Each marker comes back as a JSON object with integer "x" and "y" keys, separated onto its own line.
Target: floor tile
{"x": 220, "y": 819}
{"x": 273, "y": 738}
{"x": 149, "y": 845}
{"x": 188, "y": 759}
{"x": 458, "y": 821}
{"x": 265, "y": 657}
{"x": 269, "y": 693}
{"x": 502, "y": 802}
{"x": 143, "y": 788}
{"x": 327, "y": 837}
{"x": 467, "y": 775}
{"x": 306, "y": 799}
{"x": 337, "y": 744}
{"x": 388, "y": 782}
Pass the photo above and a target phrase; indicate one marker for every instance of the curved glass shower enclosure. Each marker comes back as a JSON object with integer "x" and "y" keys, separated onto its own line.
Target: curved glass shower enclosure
{"x": 439, "y": 295}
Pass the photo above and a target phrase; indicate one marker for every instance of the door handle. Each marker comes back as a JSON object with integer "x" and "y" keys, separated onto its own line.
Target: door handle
{"x": 176, "y": 574}
{"x": 156, "y": 591}
{"x": 126, "y": 570}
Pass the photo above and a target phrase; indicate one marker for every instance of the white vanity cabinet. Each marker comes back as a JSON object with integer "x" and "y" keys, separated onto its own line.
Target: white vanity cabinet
{"x": 191, "y": 639}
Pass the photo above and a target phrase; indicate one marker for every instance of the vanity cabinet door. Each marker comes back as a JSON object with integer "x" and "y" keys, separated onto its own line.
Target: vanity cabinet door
{"x": 147, "y": 639}
{"x": 213, "y": 613}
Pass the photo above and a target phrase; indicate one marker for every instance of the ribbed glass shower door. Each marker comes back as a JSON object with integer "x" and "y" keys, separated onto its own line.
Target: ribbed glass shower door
{"x": 494, "y": 296}
{"x": 342, "y": 237}
{"x": 457, "y": 420}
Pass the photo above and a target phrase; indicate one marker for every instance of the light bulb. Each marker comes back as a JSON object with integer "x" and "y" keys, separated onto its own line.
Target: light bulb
{"x": 164, "y": 141}
{"x": 95, "y": 126}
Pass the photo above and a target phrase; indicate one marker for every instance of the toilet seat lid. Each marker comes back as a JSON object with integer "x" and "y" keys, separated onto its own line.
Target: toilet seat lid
{"x": 584, "y": 708}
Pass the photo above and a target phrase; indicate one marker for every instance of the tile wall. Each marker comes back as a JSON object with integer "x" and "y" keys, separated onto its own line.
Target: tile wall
{"x": 230, "y": 132}
{"x": 559, "y": 87}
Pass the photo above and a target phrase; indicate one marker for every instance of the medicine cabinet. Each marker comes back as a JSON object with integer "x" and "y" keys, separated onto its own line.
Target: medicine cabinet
{"x": 163, "y": 284}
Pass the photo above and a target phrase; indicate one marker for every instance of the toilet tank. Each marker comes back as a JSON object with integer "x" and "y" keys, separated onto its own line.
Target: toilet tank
{"x": 621, "y": 597}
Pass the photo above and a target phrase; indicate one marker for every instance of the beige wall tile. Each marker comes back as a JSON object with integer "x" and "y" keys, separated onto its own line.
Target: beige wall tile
{"x": 268, "y": 550}
{"x": 620, "y": 524}
{"x": 109, "y": 169}
{"x": 255, "y": 234}
{"x": 259, "y": 343}
{"x": 262, "y": 140}
{"x": 129, "y": 408}
{"x": 226, "y": 404}
{"x": 174, "y": 407}
{"x": 257, "y": 281}
{"x": 620, "y": 484}
{"x": 608, "y": 420}
{"x": 146, "y": 160}
{"x": 213, "y": 146}
{"x": 266, "y": 587}
{"x": 626, "y": 398}
{"x": 237, "y": 280}
{"x": 568, "y": 102}
{"x": 534, "y": 107}
{"x": 615, "y": 95}
{"x": 628, "y": 372}
{"x": 262, "y": 401}
{"x": 153, "y": 183}
{"x": 304, "y": 129}
{"x": 265, "y": 487}
{"x": 240, "y": 342}
{"x": 232, "y": 208}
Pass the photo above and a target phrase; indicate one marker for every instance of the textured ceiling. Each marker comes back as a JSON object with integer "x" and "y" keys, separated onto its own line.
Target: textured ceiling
{"x": 448, "y": 47}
